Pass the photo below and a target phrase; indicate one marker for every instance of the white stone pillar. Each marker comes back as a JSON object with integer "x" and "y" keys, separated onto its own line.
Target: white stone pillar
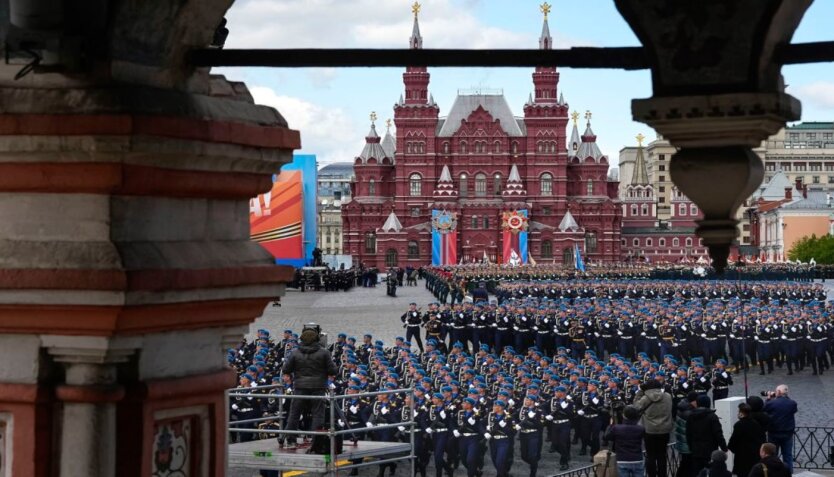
{"x": 727, "y": 412}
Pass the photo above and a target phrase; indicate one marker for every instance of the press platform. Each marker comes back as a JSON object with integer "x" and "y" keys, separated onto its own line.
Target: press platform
{"x": 266, "y": 455}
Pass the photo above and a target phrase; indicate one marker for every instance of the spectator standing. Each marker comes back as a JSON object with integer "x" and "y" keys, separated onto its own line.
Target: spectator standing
{"x": 746, "y": 441}
{"x": 781, "y": 409}
{"x": 757, "y": 412}
{"x": 703, "y": 434}
{"x": 717, "y": 466}
{"x": 309, "y": 366}
{"x": 685, "y": 407}
{"x": 627, "y": 441}
{"x": 770, "y": 465}
{"x": 656, "y": 406}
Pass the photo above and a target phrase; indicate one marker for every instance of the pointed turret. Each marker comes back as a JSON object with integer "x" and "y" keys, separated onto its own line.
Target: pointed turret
{"x": 545, "y": 40}
{"x": 589, "y": 147}
{"x": 515, "y": 187}
{"x": 575, "y": 141}
{"x": 392, "y": 223}
{"x": 641, "y": 173}
{"x": 373, "y": 148}
{"x": 445, "y": 186}
{"x": 389, "y": 144}
{"x": 416, "y": 40}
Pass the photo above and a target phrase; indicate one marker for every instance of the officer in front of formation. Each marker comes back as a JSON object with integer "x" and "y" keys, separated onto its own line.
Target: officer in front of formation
{"x": 412, "y": 319}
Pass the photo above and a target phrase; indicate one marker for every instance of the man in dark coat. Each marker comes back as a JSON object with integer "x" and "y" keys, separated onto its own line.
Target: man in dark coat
{"x": 782, "y": 410}
{"x": 770, "y": 465}
{"x": 309, "y": 365}
{"x": 703, "y": 434}
{"x": 746, "y": 441}
{"x": 757, "y": 411}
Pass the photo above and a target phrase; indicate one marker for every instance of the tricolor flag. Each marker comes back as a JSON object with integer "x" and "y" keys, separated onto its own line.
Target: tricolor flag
{"x": 444, "y": 238}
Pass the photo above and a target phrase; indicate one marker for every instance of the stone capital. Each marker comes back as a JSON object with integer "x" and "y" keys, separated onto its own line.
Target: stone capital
{"x": 90, "y": 349}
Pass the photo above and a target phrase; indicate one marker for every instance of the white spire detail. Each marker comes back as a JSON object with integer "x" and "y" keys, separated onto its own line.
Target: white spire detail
{"x": 392, "y": 224}
{"x": 514, "y": 175}
{"x": 568, "y": 223}
{"x": 445, "y": 175}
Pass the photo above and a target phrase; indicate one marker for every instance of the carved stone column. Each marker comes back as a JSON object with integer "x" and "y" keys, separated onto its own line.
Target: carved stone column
{"x": 717, "y": 94}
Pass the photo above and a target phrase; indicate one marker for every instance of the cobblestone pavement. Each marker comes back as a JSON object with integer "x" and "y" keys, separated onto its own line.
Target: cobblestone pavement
{"x": 369, "y": 310}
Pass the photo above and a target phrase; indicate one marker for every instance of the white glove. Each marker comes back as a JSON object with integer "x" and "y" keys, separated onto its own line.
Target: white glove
{"x": 564, "y": 405}
{"x": 595, "y": 400}
{"x": 487, "y": 436}
{"x": 643, "y": 334}
{"x": 581, "y": 412}
{"x": 724, "y": 374}
{"x": 808, "y": 336}
{"x": 369, "y": 424}
{"x": 401, "y": 428}
{"x": 685, "y": 385}
{"x": 354, "y": 409}
{"x": 703, "y": 379}
{"x": 536, "y": 328}
{"x": 511, "y": 402}
{"x": 674, "y": 345}
{"x": 703, "y": 335}
{"x": 756, "y": 338}
{"x": 531, "y": 414}
{"x": 442, "y": 414}
{"x": 384, "y": 410}
{"x": 471, "y": 421}
{"x": 456, "y": 433}
{"x": 429, "y": 430}
{"x": 549, "y": 417}
{"x": 517, "y": 427}
{"x": 240, "y": 352}
{"x": 234, "y": 406}
{"x": 784, "y": 337}
{"x": 620, "y": 333}
{"x": 502, "y": 424}
{"x": 341, "y": 423}
{"x": 596, "y": 334}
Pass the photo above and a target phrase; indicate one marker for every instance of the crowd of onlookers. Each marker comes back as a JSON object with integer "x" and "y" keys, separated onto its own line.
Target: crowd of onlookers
{"x": 761, "y": 441}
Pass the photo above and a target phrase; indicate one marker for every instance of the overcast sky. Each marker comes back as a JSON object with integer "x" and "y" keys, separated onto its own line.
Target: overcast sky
{"x": 331, "y": 106}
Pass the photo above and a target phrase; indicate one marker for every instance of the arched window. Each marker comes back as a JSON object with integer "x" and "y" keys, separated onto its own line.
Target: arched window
{"x": 682, "y": 209}
{"x": 496, "y": 147}
{"x": 474, "y": 221}
{"x": 567, "y": 255}
{"x": 446, "y": 147}
{"x": 464, "y": 185}
{"x": 463, "y": 147}
{"x": 480, "y": 184}
{"x": 514, "y": 147}
{"x": 391, "y": 257}
{"x": 649, "y": 242}
{"x": 546, "y": 184}
{"x": 589, "y": 188}
{"x": 547, "y": 249}
{"x": 496, "y": 184}
{"x": 415, "y": 185}
{"x": 689, "y": 241}
{"x": 552, "y": 147}
{"x": 693, "y": 209}
{"x": 371, "y": 187}
{"x": 413, "y": 249}
{"x": 644, "y": 209}
{"x": 661, "y": 242}
{"x": 676, "y": 242}
{"x": 408, "y": 147}
{"x": 633, "y": 209}
{"x": 486, "y": 222}
{"x": 590, "y": 242}
{"x": 636, "y": 242}
{"x": 370, "y": 242}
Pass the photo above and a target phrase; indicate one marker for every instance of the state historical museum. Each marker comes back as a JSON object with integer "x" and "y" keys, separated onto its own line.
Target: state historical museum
{"x": 481, "y": 183}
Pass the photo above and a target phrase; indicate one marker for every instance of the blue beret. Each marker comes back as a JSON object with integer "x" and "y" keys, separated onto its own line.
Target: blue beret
{"x": 561, "y": 389}
{"x": 355, "y": 388}
{"x": 437, "y": 395}
{"x": 446, "y": 389}
{"x": 499, "y": 402}
{"x": 342, "y": 335}
{"x": 470, "y": 401}
{"x": 288, "y": 331}
{"x": 391, "y": 385}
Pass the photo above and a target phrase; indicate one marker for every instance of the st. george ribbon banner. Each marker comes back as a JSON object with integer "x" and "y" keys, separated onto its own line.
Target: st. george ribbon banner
{"x": 514, "y": 225}
{"x": 444, "y": 237}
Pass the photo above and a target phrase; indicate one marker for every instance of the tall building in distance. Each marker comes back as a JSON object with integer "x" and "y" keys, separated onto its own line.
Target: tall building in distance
{"x": 804, "y": 152}
{"x": 657, "y": 156}
{"x": 647, "y": 236}
{"x": 476, "y": 164}
{"x": 333, "y": 189}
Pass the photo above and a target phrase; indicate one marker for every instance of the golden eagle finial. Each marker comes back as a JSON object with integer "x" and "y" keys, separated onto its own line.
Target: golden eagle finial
{"x": 415, "y": 9}
{"x": 545, "y": 8}
{"x": 373, "y": 117}
{"x": 575, "y": 116}
{"x": 640, "y": 137}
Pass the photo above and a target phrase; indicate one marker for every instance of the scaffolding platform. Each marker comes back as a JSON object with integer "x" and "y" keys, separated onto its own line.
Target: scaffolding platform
{"x": 266, "y": 455}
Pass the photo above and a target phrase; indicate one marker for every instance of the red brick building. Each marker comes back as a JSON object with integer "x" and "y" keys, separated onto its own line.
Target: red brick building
{"x": 644, "y": 236}
{"x": 478, "y": 162}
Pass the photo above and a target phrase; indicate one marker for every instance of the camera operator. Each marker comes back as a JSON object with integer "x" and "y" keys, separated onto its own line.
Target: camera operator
{"x": 781, "y": 410}
{"x": 309, "y": 365}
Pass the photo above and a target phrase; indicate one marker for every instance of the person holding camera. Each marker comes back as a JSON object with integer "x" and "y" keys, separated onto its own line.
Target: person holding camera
{"x": 781, "y": 410}
{"x": 310, "y": 366}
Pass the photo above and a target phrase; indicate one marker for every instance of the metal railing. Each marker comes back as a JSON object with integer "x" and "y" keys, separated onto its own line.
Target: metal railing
{"x": 672, "y": 463}
{"x": 813, "y": 448}
{"x": 332, "y": 431}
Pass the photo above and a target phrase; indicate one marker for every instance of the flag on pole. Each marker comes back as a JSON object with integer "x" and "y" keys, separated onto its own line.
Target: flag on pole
{"x": 578, "y": 263}
{"x": 444, "y": 237}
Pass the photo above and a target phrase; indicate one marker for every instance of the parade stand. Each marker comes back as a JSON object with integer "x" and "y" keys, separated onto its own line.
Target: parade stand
{"x": 267, "y": 454}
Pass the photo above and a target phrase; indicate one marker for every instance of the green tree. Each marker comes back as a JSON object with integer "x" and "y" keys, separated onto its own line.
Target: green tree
{"x": 821, "y": 249}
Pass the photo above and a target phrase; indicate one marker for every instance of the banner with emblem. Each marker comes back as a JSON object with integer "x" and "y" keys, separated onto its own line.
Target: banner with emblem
{"x": 444, "y": 237}
{"x": 514, "y": 225}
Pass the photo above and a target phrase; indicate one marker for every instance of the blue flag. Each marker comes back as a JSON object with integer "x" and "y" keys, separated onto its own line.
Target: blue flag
{"x": 577, "y": 259}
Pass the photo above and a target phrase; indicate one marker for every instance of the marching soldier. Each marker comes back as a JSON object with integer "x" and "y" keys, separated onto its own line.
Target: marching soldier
{"x": 412, "y": 319}
{"x": 384, "y": 412}
{"x": 530, "y": 424}
{"x": 439, "y": 428}
{"x": 560, "y": 416}
{"x": 590, "y": 408}
{"x": 469, "y": 427}
{"x": 721, "y": 380}
{"x": 500, "y": 432}
{"x": 576, "y": 333}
